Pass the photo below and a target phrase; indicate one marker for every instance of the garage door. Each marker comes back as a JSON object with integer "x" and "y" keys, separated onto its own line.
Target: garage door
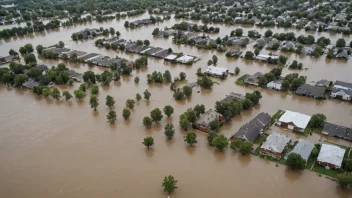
{"x": 290, "y": 127}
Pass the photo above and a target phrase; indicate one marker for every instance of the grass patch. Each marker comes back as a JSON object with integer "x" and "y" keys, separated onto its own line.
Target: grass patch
{"x": 329, "y": 172}
{"x": 239, "y": 80}
{"x": 261, "y": 138}
{"x": 275, "y": 117}
{"x": 306, "y": 131}
{"x": 273, "y": 159}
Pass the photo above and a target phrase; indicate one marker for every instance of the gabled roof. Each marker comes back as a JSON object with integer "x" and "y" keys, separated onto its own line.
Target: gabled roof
{"x": 276, "y": 142}
{"x": 252, "y": 129}
{"x": 298, "y": 119}
{"x": 331, "y": 154}
{"x": 303, "y": 148}
{"x": 205, "y": 118}
{"x": 342, "y": 84}
{"x": 337, "y": 131}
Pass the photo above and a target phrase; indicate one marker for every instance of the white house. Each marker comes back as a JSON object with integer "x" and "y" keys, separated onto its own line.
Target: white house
{"x": 264, "y": 57}
{"x": 294, "y": 121}
{"x": 216, "y": 71}
{"x": 276, "y": 84}
{"x": 331, "y": 156}
{"x": 185, "y": 59}
{"x": 342, "y": 90}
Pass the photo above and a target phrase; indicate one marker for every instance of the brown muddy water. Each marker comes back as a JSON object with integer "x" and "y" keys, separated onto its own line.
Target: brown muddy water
{"x": 52, "y": 148}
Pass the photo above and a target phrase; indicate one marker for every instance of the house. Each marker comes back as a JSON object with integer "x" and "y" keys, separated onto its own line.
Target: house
{"x": 30, "y": 83}
{"x": 251, "y": 130}
{"x": 317, "y": 92}
{"x": 288, "y": 44}
{"x": 293, "y": 121}
{"x": 202, "y": 123}
{"x": 275, "y": 85}
{"x": 322, "y": 83}
{"x": 232, "y": 97}
{"x": 170, "y": 57}
{"x": 234, "y": 53}
{"x": 331, "y": 156}
{"x": 216, "y": 71}
{"x": 342, "y": 90}
{"x": 240, "y": 41}
{"x": 260, "y": 43}
{"x": 334, "y": 130}
{"x": 264, "y": 57}
{"x": 185, "y": 59}
{"x": 303, "y": 148}
{"x": 76, "y": 76}
{"x": 161, "y": 54}
{"x": 274, "y": 145}
{"x": 343, "y": 55}
{"x": 42, "y": 67}
{"x": 252, "y": 79}
{"x": 9, "y": 58}
{"x": 272, "y": 43}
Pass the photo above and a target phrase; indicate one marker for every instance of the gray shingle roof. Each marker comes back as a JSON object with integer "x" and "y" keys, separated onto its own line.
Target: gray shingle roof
{"x": 337, "y": 131}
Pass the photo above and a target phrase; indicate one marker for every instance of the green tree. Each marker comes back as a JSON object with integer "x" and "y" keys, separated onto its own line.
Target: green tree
{"x": 67, "y": 95}
{"x": 199, "y": 109}
{"x": 317, "y": 121}
{"x": 126, "y": 113}
{"x": 182, "y": 76}
{"x": 187, "y": 91}
{"x": 147, "y": 94}
{"x": 83, "y": 87}
{"x": 347, "y": 164}
{"x": 268, "y": 33}
{"x": 206, "y": 82}
{"x": 168, "y": 110}
{"x": 167, "y": 76}
{"x": 146, "y": 42}
{"x": 237, "y": 70}
{"x": 340, "y": 42}
{"x": 178, "y": 95}
{"x": 46, "y": 92}
{"x": 148, "y": 142}
{"x": 246, "y": 148}
{"x": 184, "y": 122}
{"x": 130, "y": 103}
{"x": 94, "y": 102}
{"x": 211, "y": 136}
{"x": 214, "y": 59}
{"x": 169, "y": 131}
{"x": 30, "y": 58}
{"x": 138, "y": 97}
{"x": 295, "y": 161}
{"x": 147, "y": 122}
{"x": 136, "y": 80}
{"x": 19, "y": 80}
{"x": 111, "y": 117}
{"x": 169, "y": 184}
{"x": 190, "y": 138}
{"x": 344, "y": 179}
{"x": 215, "y": 125}
{"x": 39, "y": 49}
{"x": 79, "y": 94}
{"x": 156, "y": 115}
{"x": 220, "y": 142}
{"x": 109, "y": 101}
{"x": 249, "y": 55}
{"x": 94, "y": 89}
{"x": 55, "y": 93}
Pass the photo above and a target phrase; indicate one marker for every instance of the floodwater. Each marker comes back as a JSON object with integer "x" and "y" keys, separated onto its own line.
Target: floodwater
{"x": 52, "y": 148}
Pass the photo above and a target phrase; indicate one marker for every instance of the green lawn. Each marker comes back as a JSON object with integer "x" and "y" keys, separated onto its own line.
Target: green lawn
{"x": 329, "y": 172}
{"x": 239, "y": 81}
{"x": 275, "y": 117}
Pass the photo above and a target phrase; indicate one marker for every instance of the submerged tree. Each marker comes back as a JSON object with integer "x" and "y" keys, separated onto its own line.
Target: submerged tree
{"x": 168, "y": 110}
{"x": 67, "y": 95}
{"x": 111, "y": 117}
{"x": 126, "y": 113}
{"x": 109, "y": 101}
{"x": 169, "y": 131}
{"x": 148, "y": 142}
{"x": 295, "y": 161}
{"x": 94, "y": 102}
{"x": 169, "y": 184}
{"x": 220, "y": 142}
{"x": 190, "y": 138}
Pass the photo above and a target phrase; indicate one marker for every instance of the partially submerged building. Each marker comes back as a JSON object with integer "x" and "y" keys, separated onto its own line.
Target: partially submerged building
{"x": 331, "y": 156}
{"x": 203, "y": 122}
{"x": 317, "y": 92}
{"x": 294, "y": 121}
{"x": 342, "y": 90}
{"x": 275, "y": 85}
{"x": 216, "y": 71}
{"x": 254, "y": 128}
{"x": 303, "y": 148}
{"x": 233, "y": 97}
{"x": 339, "y": 131}
{"x": 274, "y": 145}
{"x": 252, "y": 79}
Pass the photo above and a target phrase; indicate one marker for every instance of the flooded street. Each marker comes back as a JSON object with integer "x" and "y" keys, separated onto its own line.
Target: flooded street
{"x": 52, "y": 148}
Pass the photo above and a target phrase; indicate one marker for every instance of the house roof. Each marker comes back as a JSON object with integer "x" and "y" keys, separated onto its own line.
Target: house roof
{"x": 266, "y": 56}
{"x": 331, "y": 154}
{"x": 300, "y": 120}
{"x": 207, "y": 117}
{"x": 337, "y": 131}
{"x": 252, "y": 129}
{"x": 276, "y": 142}
{"x": 314, "y": 91}
{"x": 323, "y": 82}
{"x": 185, "y": 58}
{"x": 343, "y": 85}
{"x": 303, "y": 148}
{"x": 232, "y": 97}
{"x": 170, "y": 57}
{"x": 216, "y": 70}
{"x": 30, "y": 84}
